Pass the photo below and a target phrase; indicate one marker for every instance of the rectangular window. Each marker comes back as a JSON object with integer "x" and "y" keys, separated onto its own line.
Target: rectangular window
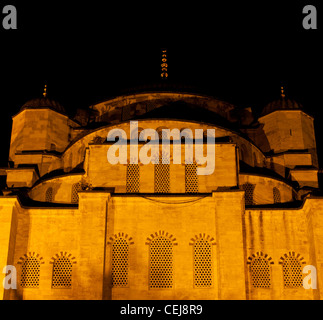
{"x": 191, "y": 178}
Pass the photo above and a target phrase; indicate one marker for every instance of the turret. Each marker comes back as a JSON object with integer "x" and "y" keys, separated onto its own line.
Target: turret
{"x": 40, "y": 132}
{"x": 286, "y": 134}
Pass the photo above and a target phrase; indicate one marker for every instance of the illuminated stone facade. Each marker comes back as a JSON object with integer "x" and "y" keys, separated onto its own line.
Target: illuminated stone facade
{"x": 77, "y": 227}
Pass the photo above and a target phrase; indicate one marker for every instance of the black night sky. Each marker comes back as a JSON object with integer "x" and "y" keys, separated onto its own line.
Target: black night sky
{"x": 89, "y": 51}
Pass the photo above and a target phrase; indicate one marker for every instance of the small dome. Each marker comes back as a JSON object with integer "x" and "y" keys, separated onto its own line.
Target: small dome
{"x": 43, "y": 102}
{"x": 281, "y": 104}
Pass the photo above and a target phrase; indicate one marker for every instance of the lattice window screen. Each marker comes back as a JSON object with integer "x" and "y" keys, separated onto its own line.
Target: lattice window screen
{"x": 161, "y": 263}
{"x": 76, "y": 187}
{"x": 292, "y": 273}
{"x": 191, "y": 178}
{"x": 260, "y": 273}
{"x": 49, "y": 195}
{"x": 62, "y": 273}
{"x": 249, "y": 193}
{"x": 133, "y": 178}
{"x": 120, "y": 263}
{"x": 202, "y": 264}
{"x": 276, "y": 195}
{"x": 30, "y": 273}
{"x": 162, "y": 175}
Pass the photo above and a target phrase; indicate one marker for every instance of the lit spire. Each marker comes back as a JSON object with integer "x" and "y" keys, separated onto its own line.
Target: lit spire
{"x": 45, "y": 91}
{"x": 282, "y": 92}
{"x": 164, "y": 65}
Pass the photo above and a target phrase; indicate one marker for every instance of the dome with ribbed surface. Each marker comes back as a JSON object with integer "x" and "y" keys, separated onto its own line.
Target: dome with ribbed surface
{"x": 281, "y": 104}
{"x": 43, "y": 102}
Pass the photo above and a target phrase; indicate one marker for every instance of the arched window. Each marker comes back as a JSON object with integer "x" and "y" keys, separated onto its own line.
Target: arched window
{"x": 133, "y": 178}
{"x": 276, "y": 195}
{"x": 161, "y": 263}
{"x": 49, "y": 195}
{"x": 244, "y": 153}
{"x": 62, "y": 272}
{"x": 191, "y": 178}
{"x": 255, "y": 162}
{"x": 249, "y": 193}
{"x": 120, "y": 262}
{"x": 162, "y": 175}
{"x": 202, "y": 263}
{"x": 292, "y": 270}
{"x": 260, "y": 270}
{"x": 30, "y": 271}
{"x": 76, "y": 187}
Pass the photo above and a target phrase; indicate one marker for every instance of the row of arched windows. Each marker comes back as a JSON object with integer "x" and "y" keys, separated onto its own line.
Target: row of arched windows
{"x": 260, "y": 270}
{"x": 161, "y": 265}
{"x": 161, "y": 260}
{"x": 252, "y": 199}
{"x": 76, "y": 187}
{"x": 61, "y": 272}
{"x": 161, "y": 183}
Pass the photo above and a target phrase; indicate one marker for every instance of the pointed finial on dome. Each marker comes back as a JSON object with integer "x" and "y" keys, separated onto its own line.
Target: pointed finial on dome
{"x": 282, "y": 92}
{"x": 45, "y": 91}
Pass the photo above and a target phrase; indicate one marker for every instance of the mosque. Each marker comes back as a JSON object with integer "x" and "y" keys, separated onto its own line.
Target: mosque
{"x": 77, "y": 227}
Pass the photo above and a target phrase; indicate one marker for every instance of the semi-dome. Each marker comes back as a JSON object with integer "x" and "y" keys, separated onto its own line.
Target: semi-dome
{"x": 281, "y": 104}
{"x": 43, "y": 102}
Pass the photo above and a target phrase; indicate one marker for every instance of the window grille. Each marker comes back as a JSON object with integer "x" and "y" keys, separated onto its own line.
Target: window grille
{"x": 49, "y": 195}
{"x": 202, "y": 264}
{"x": 162, "y": 175}
{"x": 30, "y": 273}
{"x": 133, "y": 178}
{"x": 249, "y": 193}
{"x": 292, "y": 270}
{"x": 161, "y": 263}
{"x": 191, "y": 178}
{"x": 120, "y": 263}
{"x": 62, "y": 273}
{"x": 260, "y": 270}
{"x": 276, "y": 195}
{"x": 76, "y": 187}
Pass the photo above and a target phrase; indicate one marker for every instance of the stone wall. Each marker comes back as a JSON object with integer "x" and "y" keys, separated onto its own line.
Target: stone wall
{"x": 86, "y": 235}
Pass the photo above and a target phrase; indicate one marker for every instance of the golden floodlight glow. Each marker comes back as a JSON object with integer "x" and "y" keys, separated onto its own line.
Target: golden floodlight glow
{"x": 164, "y": 65}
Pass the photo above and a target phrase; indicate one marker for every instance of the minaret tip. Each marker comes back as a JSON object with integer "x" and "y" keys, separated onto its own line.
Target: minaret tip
{"x": 164, "y": 65}
{"x": 45, "y": 91}
{"x": 282, "y": 92}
